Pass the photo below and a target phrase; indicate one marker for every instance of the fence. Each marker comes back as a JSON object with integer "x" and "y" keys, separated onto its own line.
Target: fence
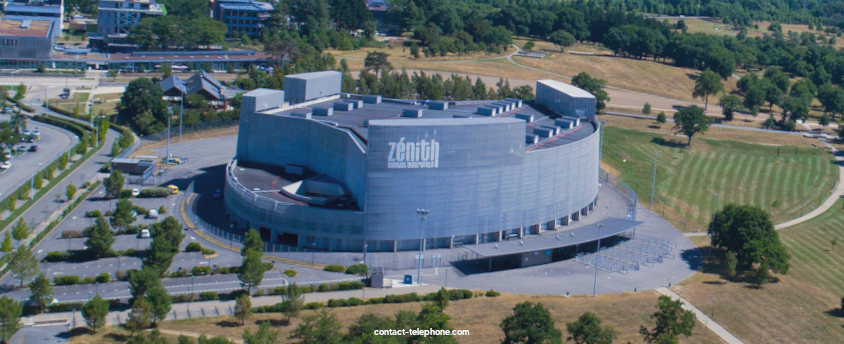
{"x": 622, "y": 187}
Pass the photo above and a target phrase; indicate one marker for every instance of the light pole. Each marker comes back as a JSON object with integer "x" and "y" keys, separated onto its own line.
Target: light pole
{"x": 167, "y": 156}
{"x": 712, "y": 227}
{"x": 595, "y": 281}
{"x": 181, "y": 110}
{"x": 653, "y": 181}
{"x": 423, "y": 213}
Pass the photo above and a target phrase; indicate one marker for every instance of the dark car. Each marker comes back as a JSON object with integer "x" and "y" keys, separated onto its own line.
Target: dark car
{"x": 33, "y": 148}
{"x": 218, "y": 193}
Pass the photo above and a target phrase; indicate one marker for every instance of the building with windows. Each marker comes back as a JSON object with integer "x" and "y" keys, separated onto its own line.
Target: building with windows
{"x": 218, "y": 95}
{"x": 322, "y": 170}
{"x": 115, "y": 18}
{"x": 52, "y": 10}
{"x": 243, "y": 17}
{"x": 26, "y": 40}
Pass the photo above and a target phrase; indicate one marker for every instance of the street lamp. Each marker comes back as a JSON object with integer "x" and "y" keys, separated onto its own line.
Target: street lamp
{"x": 595, "y": 282}
{"x": 653, "y": 181}
{"x": 423, "y": 214}
{"x": 167, "y": 157}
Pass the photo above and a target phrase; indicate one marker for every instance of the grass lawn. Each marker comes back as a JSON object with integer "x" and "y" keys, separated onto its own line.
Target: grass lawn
{"x": 80, "y": 96}
{"x": 785, "y": 181}
{"x": 625, "y": 312}
{"x": 814, "y": 257}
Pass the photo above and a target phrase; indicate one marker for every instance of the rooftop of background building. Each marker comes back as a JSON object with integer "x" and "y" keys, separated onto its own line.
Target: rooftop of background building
{"x": 25, "y": 28}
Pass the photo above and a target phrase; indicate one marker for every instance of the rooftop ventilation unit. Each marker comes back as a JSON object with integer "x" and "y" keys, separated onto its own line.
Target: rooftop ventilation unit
{"x": 438, "y": 106}
{"x": 412, "y": 113}
{"x": 323, "y": 111}
{"x": 543, "y": 132}
{"x": 516, "y": 102}
{"x": 525, "y": 117}
{"x": 505, "y": 106}
{"x": 531, "y": 139}
{"x": 461, "y": 116}
{"x": 372, "y": 99}
{"x": 301, "y": 114}
{"x": 574, "y": 120}
{"x": 489, "y": 111}
{"x": 343, "y": 106}
{"x": 357, "y": 103}
{"x": 564, "y": 123}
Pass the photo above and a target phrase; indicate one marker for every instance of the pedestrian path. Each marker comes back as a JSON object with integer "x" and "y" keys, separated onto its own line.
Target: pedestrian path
{"x": 713, "y": 326}
{"x": 830, "y": 201}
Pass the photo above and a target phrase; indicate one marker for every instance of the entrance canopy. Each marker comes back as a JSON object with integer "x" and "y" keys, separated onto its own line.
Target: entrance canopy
{"x": 551, "y": 240}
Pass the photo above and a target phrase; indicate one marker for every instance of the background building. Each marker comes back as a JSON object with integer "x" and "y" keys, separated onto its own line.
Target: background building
{"x": 29, "y": 40}
{"x": 202, "y": 83}
{"x": 243, "y": 17}
{"x": 338, "y": 171}
{"x": 52, "y": 10}
{"x": 116, "y": 17}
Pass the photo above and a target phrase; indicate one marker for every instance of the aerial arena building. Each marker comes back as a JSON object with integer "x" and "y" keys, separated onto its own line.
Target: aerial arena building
{"x": 319, "y": 169}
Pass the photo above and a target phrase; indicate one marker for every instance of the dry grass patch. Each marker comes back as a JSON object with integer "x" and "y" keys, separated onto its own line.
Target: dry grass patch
{"x": 625, "y": 312}
{"x": 197, "y": 135}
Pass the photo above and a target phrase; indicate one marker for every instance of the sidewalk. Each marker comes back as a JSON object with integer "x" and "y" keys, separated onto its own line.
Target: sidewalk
{"x": 701, "y": 317}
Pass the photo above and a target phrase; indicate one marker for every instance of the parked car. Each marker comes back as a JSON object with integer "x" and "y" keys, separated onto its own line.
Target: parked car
{"x": 145, "y": 233}
{"x": 153, "y": 214}
{"x": 36, "y": 134}
{"x": 6, "y": 165}
{"x": 173, "y": 189}
{"x": 33, "y": 148}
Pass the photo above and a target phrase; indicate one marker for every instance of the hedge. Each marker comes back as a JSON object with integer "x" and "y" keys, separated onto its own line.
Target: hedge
{"x": 334, "y": 268}
{"x": 455, "y": 294}
{"x": 154, "y": 192}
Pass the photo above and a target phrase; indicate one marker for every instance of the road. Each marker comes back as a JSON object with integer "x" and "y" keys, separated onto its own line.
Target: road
{"x": 54, "y": 142}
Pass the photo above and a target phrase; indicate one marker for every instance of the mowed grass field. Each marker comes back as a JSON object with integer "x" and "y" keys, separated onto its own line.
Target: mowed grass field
{"x": 785, "y": 181}
{"x": 814, "y": 257}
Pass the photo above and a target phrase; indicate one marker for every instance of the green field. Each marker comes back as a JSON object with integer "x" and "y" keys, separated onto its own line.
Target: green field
{"x": 786, "y": 181}
{"x": 814, "y": 258}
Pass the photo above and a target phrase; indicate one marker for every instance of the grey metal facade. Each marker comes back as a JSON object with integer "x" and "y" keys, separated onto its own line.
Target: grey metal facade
{"x": 475, "y": 175}
{"x": 569, "y": 101}
{"x": 308, "y": 86}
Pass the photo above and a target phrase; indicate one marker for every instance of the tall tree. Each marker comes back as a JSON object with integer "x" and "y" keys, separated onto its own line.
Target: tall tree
{"x": 587, "y": 330}
{"x": 320, "y": 328}
{"x": 42, "y": 292}
{"x": 377, "y": 61}
{"x": 729, "y": 104}
{"x": 671, "y": 322}
{"x": 139, "y": 316}
{"x": 562, "y": 39}
{"x": 530, "y": 323}
{"x": 593, "y": 85}
{"x": 23, "y": 263}
{"x": 10, "y": 318}
{"x": 113, "y": 184}
{"x": 252, "y": 242}
{"x": 707, "y": 84}
{"x": 20, "y": 231}
{"x": 243, "y": 308}
{"x": 6, "y": 246}
{"x": 142, "y": 281}
{"x": 691, "y": 121}
{"x": 94, "y": 311}
{"x": 159, "y": 303}
{"x": 747, "y": 232}
{"x": 122, "y": 215}
{"x": 143, "y": 106}
{"x": 251, "y": 271}
{"x": 264, "y": 335}
{"x": 432, "y": 317}
{"x": 100, "y": 238}
{"x": 293, "y": 301}
{"x": 70, "y": 191}
{"x": 832, "y": 99}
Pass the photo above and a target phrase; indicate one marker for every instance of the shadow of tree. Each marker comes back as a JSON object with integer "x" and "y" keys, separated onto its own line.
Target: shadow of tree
{"x": 669, "y": 143}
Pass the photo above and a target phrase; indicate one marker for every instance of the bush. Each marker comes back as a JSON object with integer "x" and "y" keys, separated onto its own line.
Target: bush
{"x": 122, "y": 275}
{"x": 353, "y": 301}
{"x": 89, "y": 280}
{"x": 358, "y": 269}
{"x": 71, "y": 233}
{"x": 129, "y": 253}
{"x": 154, "y": 193}
{"x": 200, "y": 270}
{"x": 108, "y": 213}
{"x": 162, "y": 210}
{"x": 64, "y": 307}
{"x": 350, "y": 285}
{"x": 336, "y": 303}
{"x": 85, "y": 185}
{"x": 323, "y": 288}
{"x": 103, "y": 278}
{"x": 208, "y": 251}
{"x": 459, "y": 294}
{"x": 492, "y": 293}
{"x": 313, "y": 305}
{"x": 93, "y": 213}
{"x": 290, "y": 273}
{"x": 139, "y": 209}
{"x": 193, "y": 247}
{"x": 125, "y": 193}
{"x": 57, "y": 256}
{"x": 375, "y": 300}
{"x": 279, "y": 291}
{"x": 334, "y": 268}
{"x": 65, "y": 280}
{"x": 208, "y": 296}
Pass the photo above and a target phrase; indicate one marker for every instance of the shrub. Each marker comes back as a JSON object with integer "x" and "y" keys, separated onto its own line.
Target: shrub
{"x": 93, "y": 213}
{"x": 336, "y": 303}
{"x": 125, "y": 193}
{"x": 139, "y": 209}
{"x": 65, "y": 280}
{"x": 89, "y": 280}
{"x": 313, "y": 305}
{"x": 107, "y": 213}
{"x": 350, "y": 285}
{"x": 290, "y": 273}
{"x": 492, "y": 293}
{"x": 323, "y": 288}
{"x": 64, "y": 307}
{"x": 279, "y": 291}
{"x": 358, "y": 269}
{"x": 208, "y": 251}
{"x": 260, "y": 292}
{"x": 154, "y": 193}
{"x": 208, "y": 296}
{"x": 375, "y": 300}
{"x": 103, "y": 278}
{"x": 57, "y": 256}
{"x": 71, "y": 233}
{"x": 459, "y": 294}
{"x": 200, "y": 270}
{"x": 85, "y": 185}
{"x": 193, "y": 247}
{"x": 334, "y": 268}
{"x": 122, "y": 275}
{"x": 353, "y": 301}
{"x": 129, "y": 253}
{"x": 162, "y": 210}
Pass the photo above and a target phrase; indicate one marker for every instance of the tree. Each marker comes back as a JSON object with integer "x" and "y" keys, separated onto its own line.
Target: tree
{"x": 728, "y": 266}
{"x": 595, "y": 86}
{"x": 363, "y": 330}
{"x": 251, "y": 271}
{"x": 94, "y": 311}
{"x": 587, "y": 330}
{"x": 20, "y": 91}
{"x": 100, "y": 238}
{"x": 729, "y": 103}
{"x": 747, "y": 232}
{"x": 432, "y": 317}
{"x": 293, "y": 302}
{"x": 320, "y": 328}
{"x": 832, "y": 99}
{"x": 562, "y": 39}
{"x": 143, "y": 106}
{"x": 122, "y": 214}
{"x": 660, "y": 118}
{"x": 824, "y": 120}
{"x": 671, "y": 321}
{"x": 707, "y": 84}
{"x": 20, "y": 231}
{"x": 142, "y": 281}
{"x": 10, "y": 318}
{"x": 6, "y": 246}
{"x": 159, "y": 303}
{"x": 530, "y": 323}
{"x": 646, "y": 109}
{"x": 414, "y": 50}
{"x": 264, "y": 335}
{"x": 252, "y": 242}
{"x": 166, "y": 69}
{"x": 42, "y": 292}
{"x": 243, "y": 308}
{"x": 690, "y": 121}
{"x": 529, "y": 45}
{"x": 139, "y": 316}
{"x": 115, "y": 149}
{"x": 377, "y": 61}
{"x": 38, "y": 180}
{"x": 23, "y": 264}
{"x": 113, "y": 184}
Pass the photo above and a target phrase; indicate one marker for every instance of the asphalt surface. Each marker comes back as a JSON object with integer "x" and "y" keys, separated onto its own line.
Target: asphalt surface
{"x": 54, "y": 142}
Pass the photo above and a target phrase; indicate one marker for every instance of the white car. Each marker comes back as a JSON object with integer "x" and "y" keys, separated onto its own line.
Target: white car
{"x": 5, "y": 165}
{"x": 135, "y": 192}
{"x": 145, "y": 233}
